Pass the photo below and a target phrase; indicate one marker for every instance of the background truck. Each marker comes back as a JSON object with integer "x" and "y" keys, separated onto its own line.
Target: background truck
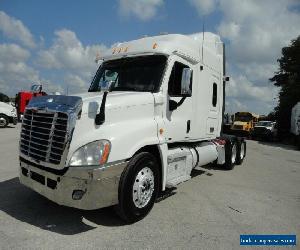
{"x": 244, "y": 123}
{"x": 295, "y": 123}
{"x": 23, "y": 98}
{"x": 265, "y": 130}
{"x": 153, "y": 112}
{"x": 8, "y": 114}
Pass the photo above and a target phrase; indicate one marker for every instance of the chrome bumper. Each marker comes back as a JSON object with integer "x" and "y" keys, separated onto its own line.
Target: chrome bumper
{"x": 99, "y": 186}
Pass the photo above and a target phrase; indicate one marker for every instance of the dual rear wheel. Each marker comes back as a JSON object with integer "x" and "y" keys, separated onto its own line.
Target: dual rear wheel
{"x": 235, "y": 153}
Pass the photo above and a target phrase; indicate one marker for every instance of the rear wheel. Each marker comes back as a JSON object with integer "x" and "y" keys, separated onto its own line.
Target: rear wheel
{"x": 241, "y": 152}
{"x": 138, "y": 187}
{"x": 3, "y": 121}
{"x": 230, "y": 154}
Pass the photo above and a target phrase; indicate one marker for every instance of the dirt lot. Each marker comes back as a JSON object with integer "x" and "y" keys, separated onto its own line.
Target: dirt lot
{"x": 208, "y": 212}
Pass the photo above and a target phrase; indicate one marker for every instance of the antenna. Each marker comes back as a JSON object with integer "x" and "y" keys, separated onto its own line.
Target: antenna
{"x": 203, "y": 29}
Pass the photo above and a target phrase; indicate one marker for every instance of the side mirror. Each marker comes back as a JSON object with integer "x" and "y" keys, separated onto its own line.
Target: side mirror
{"x": 186, "y": 82}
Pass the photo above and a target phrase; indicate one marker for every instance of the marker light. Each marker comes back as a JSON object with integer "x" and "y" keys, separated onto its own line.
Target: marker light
{"x": 154, "y": 46}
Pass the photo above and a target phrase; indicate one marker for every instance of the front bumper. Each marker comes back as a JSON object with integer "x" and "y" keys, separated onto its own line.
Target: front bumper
{"x": 99, "y": 185}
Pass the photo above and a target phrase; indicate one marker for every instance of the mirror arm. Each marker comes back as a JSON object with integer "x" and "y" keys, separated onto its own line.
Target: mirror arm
{"x": 181, "y": 101}
{"x": 174, "y": 105}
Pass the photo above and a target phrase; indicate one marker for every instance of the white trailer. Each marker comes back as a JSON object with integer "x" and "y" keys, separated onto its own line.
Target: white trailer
{"x": 153, "y": 112}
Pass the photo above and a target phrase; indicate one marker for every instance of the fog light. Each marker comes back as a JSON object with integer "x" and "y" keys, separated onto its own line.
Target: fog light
{"x": 77, "y": 194}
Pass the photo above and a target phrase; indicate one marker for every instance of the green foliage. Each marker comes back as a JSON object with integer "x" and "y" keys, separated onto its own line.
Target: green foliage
{"x": 288, "y": 79}
{"x": 4, "y": 98}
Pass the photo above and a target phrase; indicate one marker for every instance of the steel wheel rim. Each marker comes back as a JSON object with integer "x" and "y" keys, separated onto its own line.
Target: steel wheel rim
{"x": 242, "y": 154}
{"x": 233, "y": 156}
{"x": 2, "y": 122}
{"x": 143, "y": 187}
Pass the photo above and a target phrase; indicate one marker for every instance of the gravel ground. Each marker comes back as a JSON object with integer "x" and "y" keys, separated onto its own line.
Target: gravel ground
{"x": 210, "y": 211}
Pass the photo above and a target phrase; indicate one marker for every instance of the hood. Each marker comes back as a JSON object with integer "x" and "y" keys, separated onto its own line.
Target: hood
{"x": 7, "y": 106}
{"x": 114, "y": 100}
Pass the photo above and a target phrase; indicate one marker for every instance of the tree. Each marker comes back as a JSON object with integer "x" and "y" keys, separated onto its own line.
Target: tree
{"x": 4, "y": 98}
{"x": 288, "y": 79}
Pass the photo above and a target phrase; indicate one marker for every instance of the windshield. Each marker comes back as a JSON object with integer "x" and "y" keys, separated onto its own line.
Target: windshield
{"x": 243, "y": 118}
{"x": 264, "y": 123}
{"x": 36, "y": 88}
{"x": 130, "y": 74}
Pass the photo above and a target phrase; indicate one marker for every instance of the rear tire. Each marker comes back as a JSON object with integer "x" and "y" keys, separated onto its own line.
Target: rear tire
{"x": 241, "y": 152}
{"x": 138, "y": 187}
{"x": 230, "y": 154}
{"x": 3, "y": 121}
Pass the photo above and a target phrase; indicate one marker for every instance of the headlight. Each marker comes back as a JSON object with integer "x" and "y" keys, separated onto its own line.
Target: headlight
{"x": 94, "y": 153}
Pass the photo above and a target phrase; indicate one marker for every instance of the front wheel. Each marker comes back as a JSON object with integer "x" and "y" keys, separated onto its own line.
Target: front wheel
{"x": 138, "y": 187}
{"x": 3, "y": 121}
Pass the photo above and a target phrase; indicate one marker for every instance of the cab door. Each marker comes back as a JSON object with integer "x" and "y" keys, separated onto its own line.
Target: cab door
{"x": 179, "y": 106}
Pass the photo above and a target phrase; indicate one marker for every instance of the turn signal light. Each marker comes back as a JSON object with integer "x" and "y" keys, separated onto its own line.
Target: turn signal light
{"x": 105, "y": 154}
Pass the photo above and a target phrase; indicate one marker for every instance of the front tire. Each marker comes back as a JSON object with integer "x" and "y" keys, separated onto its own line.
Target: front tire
{"x": 138, "y": 187}
{"x": 3, "y": 121}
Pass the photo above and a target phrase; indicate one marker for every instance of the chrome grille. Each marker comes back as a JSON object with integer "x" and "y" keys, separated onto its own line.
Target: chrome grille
{"x": 44, "y": 135}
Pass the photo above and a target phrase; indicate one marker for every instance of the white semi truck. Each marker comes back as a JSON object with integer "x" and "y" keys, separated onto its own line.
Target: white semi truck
{"x": 153, "y": 112}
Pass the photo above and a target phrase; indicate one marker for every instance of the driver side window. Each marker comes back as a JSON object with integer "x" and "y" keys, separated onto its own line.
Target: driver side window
{"x": 174, "y": 86}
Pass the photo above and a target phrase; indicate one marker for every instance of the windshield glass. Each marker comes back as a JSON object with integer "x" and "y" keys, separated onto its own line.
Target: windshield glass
{"x": 36, "y": 88}
{"x": 264, "y": 123}
{"x": 243, "y": 117}
{"x": 130, "y": 74}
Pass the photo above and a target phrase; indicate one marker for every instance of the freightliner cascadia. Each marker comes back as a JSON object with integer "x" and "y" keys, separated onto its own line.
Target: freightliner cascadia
{"x": 152, "y": 113}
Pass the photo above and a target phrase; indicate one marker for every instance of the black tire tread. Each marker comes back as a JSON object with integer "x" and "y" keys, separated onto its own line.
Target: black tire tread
{"x": 122, "y": 208}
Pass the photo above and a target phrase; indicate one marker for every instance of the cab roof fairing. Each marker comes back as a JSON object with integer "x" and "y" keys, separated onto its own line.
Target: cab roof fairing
{"x": 182, "y": 45}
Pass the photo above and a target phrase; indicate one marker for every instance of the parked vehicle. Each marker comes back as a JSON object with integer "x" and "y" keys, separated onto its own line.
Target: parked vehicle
{"x": 23, "y": 98}
{"x": 244, "y": 123}
{"x": 153, "y": 112}
{"x": 295, "y": 123}
{"x": 266, "y": 130}
{"x": 7, "y": 115}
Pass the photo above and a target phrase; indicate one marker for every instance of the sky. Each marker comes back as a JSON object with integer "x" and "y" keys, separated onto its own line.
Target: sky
{"x": 56, "y": 42}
